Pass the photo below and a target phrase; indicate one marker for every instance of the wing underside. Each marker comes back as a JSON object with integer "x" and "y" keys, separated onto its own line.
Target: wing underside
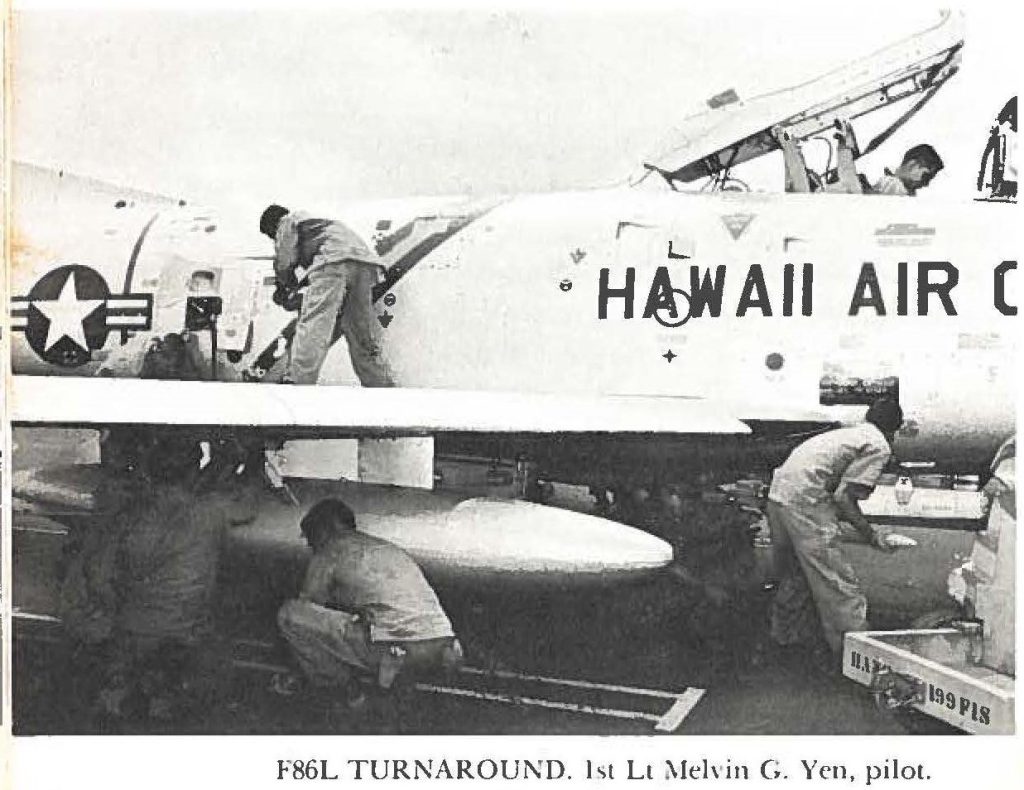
{"x": 354, "y": 411}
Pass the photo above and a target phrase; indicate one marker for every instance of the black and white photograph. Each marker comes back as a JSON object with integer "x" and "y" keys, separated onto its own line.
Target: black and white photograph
{"x": 443, "y": 370}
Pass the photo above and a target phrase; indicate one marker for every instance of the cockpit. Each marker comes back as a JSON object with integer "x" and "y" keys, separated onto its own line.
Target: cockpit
{"x": 900, "y": 78}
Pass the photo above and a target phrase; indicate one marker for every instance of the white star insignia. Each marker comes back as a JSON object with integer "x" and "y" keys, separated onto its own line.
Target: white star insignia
{"x": 66, "y": 315}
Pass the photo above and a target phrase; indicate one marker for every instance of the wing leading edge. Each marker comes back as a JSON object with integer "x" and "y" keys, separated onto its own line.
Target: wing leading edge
{"x": 354, "y": 411}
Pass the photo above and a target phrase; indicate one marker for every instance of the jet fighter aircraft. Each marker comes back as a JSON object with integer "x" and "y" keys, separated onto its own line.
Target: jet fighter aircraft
{"x": 780, "y": 313}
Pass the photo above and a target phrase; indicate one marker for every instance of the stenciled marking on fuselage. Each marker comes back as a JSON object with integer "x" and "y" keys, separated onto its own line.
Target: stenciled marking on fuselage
{"x": 399, "y": 262}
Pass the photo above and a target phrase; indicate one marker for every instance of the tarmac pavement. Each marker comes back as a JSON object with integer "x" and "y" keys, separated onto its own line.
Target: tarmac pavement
{"x": 670, "y": 635}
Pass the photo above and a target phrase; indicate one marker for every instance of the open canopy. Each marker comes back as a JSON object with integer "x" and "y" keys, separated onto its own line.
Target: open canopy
{"x": 711, "y": 142}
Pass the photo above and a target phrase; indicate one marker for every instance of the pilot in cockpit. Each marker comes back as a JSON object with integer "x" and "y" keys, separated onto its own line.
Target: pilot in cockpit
{"x": 919, "y": 166}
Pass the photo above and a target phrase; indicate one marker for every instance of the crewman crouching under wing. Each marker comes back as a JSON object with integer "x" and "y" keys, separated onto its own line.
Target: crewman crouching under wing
{"x": 365, "y": 611}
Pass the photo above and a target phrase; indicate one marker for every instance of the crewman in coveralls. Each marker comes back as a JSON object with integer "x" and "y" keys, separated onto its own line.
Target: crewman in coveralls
{"x": 818, "y": 487}
{"x": 341, "y": 271}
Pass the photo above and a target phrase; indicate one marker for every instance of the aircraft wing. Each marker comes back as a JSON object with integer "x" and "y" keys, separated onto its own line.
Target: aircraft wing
{"x": 713, "y": 141}
{"x": 354, "y": 411}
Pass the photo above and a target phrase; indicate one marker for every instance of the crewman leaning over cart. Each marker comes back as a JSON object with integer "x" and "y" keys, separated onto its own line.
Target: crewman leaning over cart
{"x": 815, "y": 491}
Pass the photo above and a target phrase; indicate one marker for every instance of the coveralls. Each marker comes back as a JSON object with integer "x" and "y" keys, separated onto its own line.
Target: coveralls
{"x": 804, "y": 523}
{"x": 146, "y": 580}
{"x": 361, "y": 596}
{"x": 342, "y": 271}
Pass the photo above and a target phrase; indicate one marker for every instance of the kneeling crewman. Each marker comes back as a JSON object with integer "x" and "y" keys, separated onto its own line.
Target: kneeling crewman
{"x": 365, "y": 608}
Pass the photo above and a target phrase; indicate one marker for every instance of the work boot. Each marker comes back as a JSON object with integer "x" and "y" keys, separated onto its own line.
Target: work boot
{"x": 390, "y": 665}
{"x": 452, "y": 658}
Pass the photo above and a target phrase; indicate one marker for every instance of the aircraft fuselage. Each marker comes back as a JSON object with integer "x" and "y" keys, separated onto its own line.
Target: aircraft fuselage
{"x": 781, "y": 309}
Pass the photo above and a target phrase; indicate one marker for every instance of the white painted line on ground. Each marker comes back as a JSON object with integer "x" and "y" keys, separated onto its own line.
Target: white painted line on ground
{"x": 668, "y": 722}
{"x": 39, "y": 530}
{"x": 45, "y": 618}
{"x": 584, "y": 684}
{"x": 674, "y": 716}
{"x": 540, "y": 703}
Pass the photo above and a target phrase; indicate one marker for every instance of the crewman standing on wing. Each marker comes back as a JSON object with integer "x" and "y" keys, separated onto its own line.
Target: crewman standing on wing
{"x": 817, "y": 488}
{"x": 341, "y": 272}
